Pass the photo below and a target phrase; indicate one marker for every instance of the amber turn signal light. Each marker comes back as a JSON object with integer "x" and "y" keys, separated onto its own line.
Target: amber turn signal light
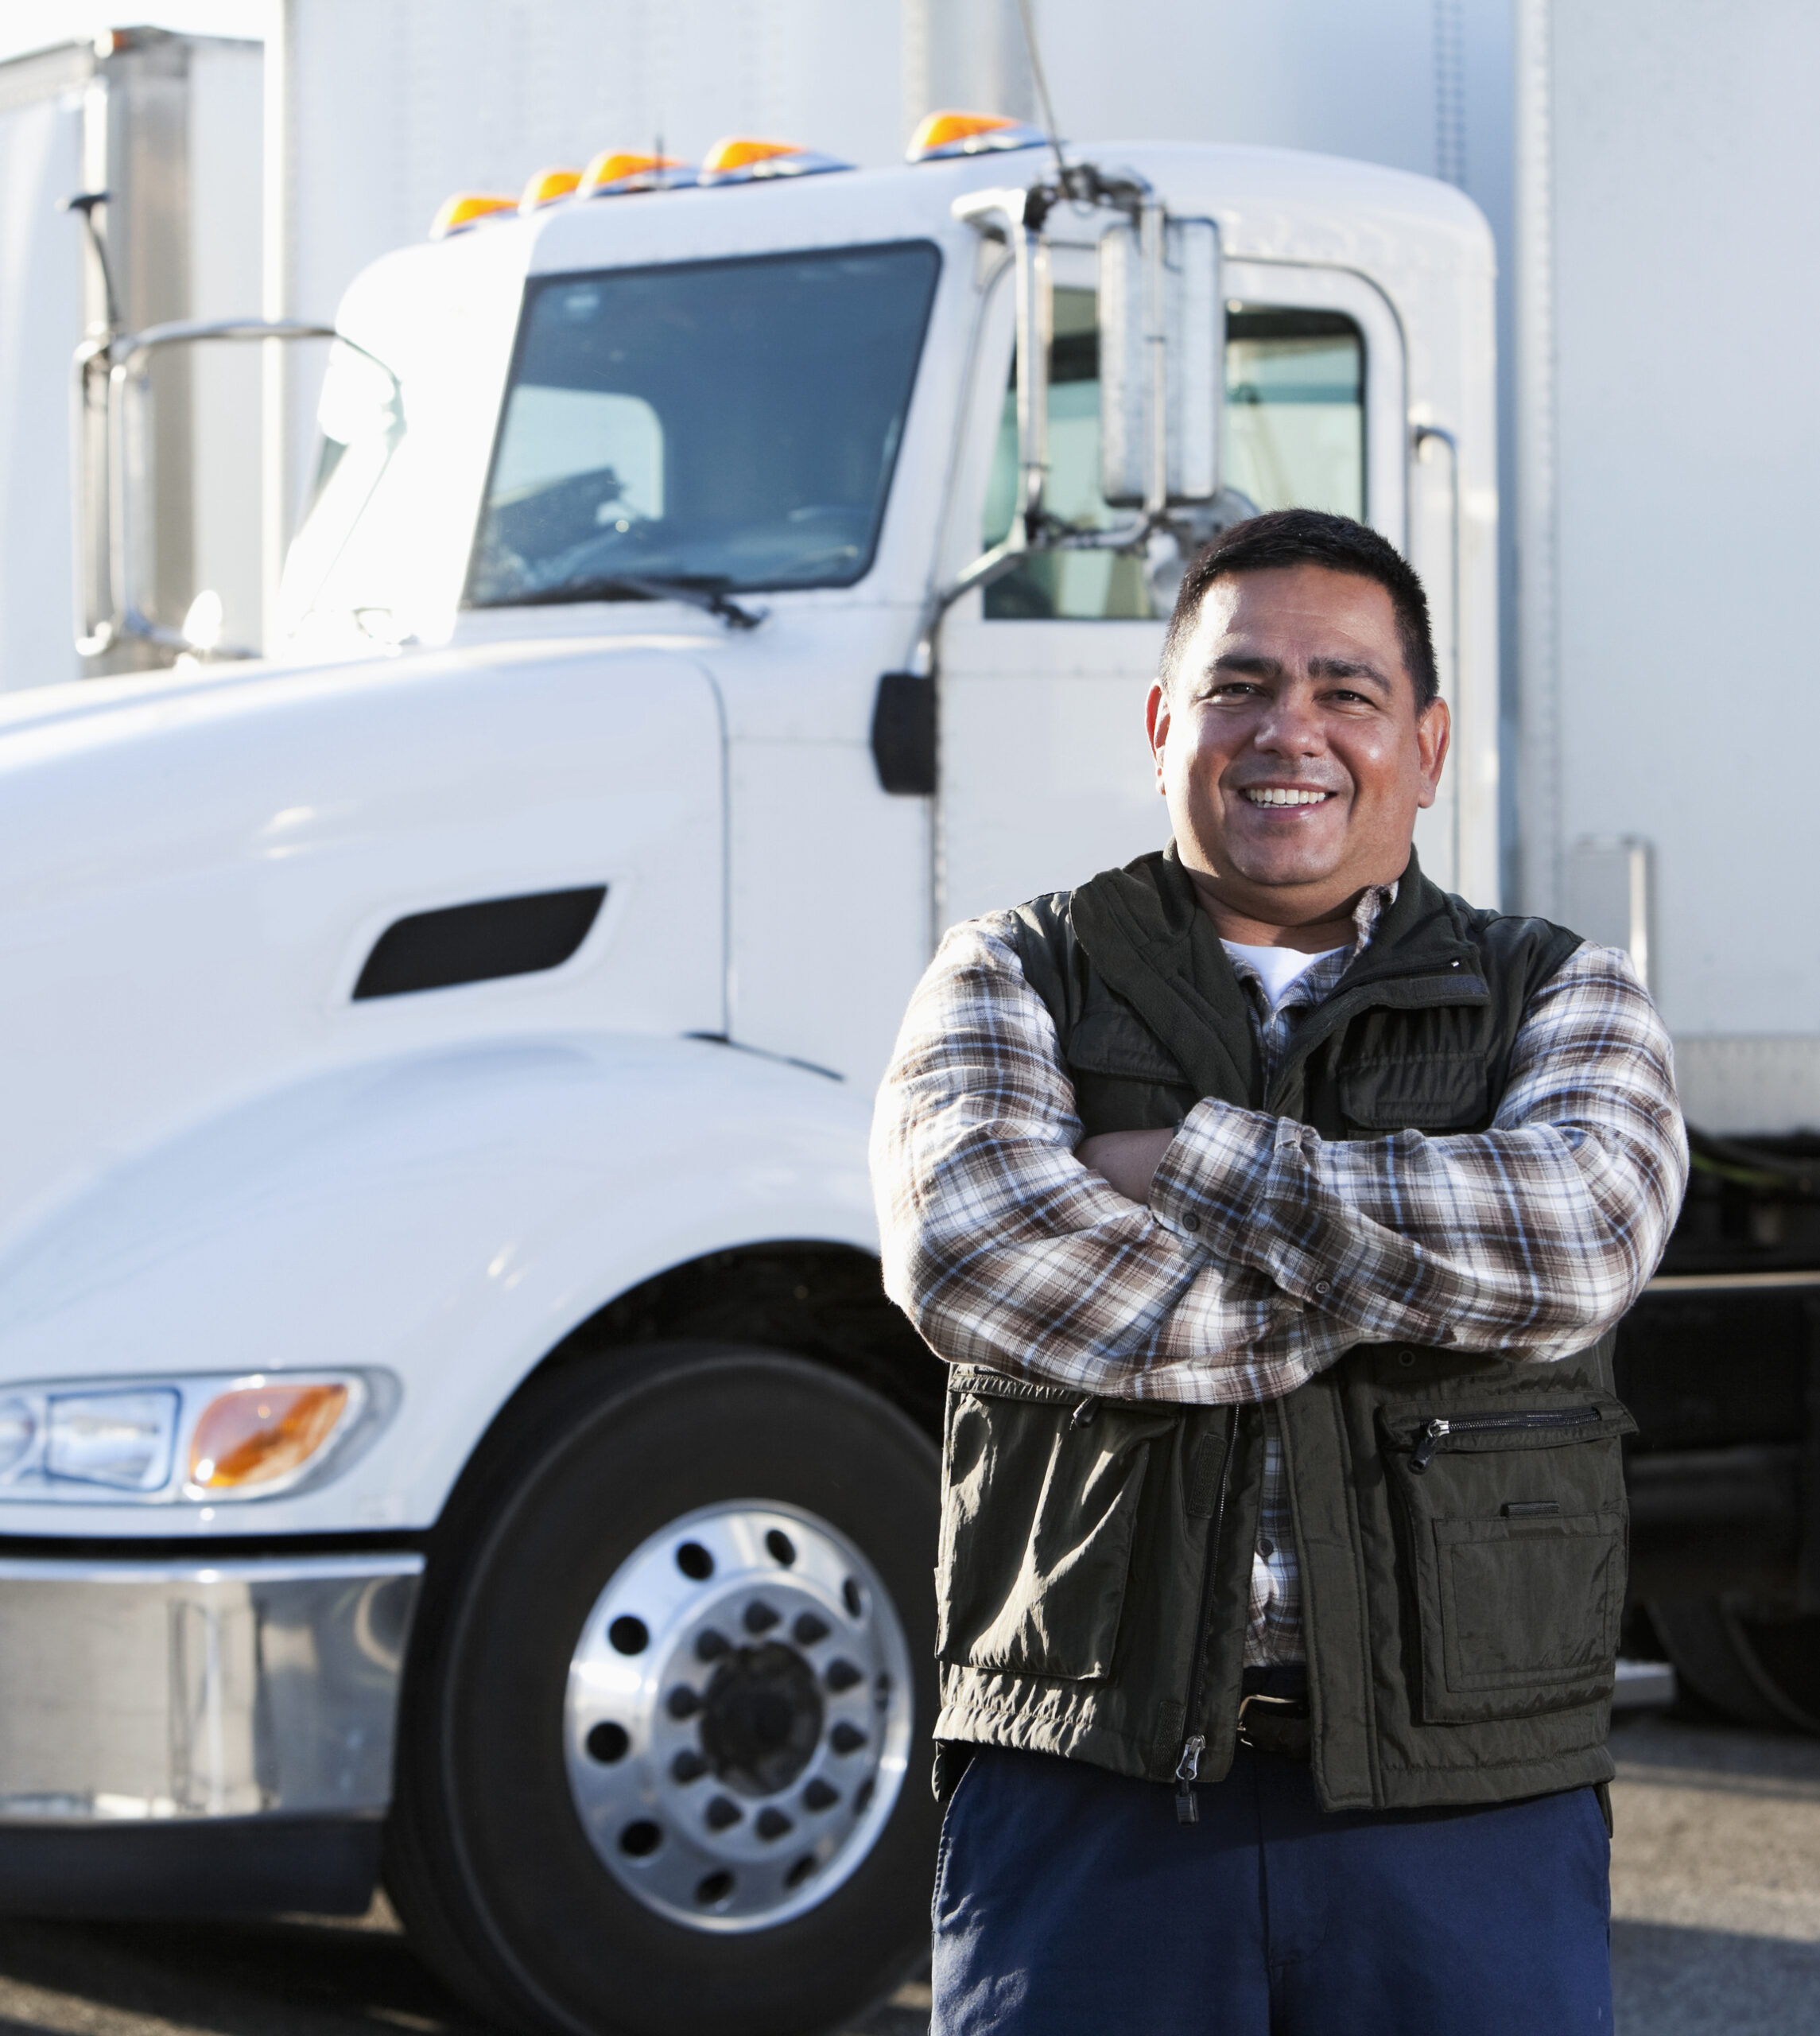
{"x": 256, "y": 1435}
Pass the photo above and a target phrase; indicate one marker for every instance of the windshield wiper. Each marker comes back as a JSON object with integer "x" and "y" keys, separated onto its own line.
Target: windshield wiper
{"x": 643, "y": 587}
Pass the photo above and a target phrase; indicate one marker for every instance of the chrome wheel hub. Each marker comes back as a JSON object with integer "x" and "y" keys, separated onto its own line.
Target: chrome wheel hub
{"x": 738, "y": 1718}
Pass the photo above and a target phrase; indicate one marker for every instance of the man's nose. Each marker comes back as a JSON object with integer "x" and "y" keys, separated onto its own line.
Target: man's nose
{"x": 1290, "y": 726}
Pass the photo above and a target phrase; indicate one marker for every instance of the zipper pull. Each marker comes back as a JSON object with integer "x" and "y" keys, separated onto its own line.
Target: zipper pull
{"x": 1187, "y": 1805}
{"x": 1428, "y": 1438}
{"x": 1085, "y": 1412}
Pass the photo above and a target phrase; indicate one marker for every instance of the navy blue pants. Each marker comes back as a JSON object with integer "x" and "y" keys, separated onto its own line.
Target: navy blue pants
{"x": 1070, "y": 1903}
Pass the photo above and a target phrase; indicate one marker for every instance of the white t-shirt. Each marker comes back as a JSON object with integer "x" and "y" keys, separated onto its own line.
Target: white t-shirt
{"x": 1278, "y": 967}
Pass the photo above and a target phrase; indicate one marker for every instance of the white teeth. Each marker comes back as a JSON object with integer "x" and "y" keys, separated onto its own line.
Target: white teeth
{"x": 1279, "y": 796}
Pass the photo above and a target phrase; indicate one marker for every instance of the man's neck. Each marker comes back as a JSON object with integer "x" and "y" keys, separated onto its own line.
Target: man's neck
{"x": 1334, "y": 928}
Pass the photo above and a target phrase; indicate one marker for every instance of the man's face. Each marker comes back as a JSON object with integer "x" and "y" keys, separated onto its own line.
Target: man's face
{"x": 1289, "y": 746}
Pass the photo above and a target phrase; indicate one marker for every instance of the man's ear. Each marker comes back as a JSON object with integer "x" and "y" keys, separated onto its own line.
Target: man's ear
{"x": 1434, "y": 732}
{"x": 1156, "y": 726}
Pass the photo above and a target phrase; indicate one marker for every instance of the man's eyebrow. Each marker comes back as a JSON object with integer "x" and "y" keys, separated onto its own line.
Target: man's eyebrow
{"x": 1348, "y": 668}
{"x": 1242, "y": 665}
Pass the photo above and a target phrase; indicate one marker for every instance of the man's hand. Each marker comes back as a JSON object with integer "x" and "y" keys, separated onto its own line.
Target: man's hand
{"x": 1126, "y": 1160}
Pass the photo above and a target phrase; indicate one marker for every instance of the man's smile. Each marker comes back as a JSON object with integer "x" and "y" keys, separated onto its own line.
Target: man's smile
{"x": 1288, "y": 794}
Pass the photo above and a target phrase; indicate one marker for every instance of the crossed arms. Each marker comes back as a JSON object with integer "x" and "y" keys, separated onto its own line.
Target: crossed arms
{"x": 1263, "y": 1252}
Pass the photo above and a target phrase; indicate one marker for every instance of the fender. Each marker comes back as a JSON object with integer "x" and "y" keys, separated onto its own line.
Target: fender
{"x": 447, "y": 1217}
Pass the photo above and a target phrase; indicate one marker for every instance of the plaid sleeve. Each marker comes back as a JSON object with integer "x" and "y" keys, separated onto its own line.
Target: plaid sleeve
{"x": 1533, "y": 1236}
{"x": 1004, "y": 1250}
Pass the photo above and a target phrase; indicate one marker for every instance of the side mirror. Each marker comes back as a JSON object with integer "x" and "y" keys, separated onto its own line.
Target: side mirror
{"x": 1162, "y": 359}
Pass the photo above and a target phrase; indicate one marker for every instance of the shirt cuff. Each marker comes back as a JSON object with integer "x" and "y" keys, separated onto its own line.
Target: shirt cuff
{"x": 1212, "y": 1177}
{"x": 1238, "y": 1185}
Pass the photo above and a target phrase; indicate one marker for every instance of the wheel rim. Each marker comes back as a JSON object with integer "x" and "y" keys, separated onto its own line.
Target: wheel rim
{"x": 738, "y": 1714}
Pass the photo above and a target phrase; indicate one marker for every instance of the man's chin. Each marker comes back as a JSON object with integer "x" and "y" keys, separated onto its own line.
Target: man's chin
{"x": 1287, "y": 873}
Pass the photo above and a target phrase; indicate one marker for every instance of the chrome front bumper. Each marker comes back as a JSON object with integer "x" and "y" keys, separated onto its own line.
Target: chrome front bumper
{"x": 132, "y": 1693}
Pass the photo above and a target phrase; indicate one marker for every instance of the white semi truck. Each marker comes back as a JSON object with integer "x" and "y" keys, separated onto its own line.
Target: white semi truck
{"x": 451, "y": 1423}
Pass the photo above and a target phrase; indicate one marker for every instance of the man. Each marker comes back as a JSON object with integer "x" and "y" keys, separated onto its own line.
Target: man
{"x": 1274, "y": 1210}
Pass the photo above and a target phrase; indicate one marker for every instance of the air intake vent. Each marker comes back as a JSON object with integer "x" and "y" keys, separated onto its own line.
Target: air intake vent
{"x": 475, "y": 943}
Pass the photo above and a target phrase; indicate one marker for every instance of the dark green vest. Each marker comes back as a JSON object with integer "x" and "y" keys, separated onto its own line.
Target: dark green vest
{"x": 1461, "y": 1589}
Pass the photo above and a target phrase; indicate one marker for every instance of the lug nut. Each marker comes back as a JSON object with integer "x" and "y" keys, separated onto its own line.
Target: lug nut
{"x": 809, "y": 1630}
{"x": 710, "y": 1646}
{"x": 723, "y": 1814}
{"x": 682, "y": 1702}
{"x": 773, "y": 1823}
{"x": 689, "y": 1765}
{"x": 759, "y": 1617}
{"x": 819, "y": 1795}
{"x": 842, "y": 1675}
{"x": 846, "y": 1738}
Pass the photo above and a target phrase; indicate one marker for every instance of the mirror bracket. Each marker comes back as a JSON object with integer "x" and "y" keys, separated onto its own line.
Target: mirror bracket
{"x": 106, "y": 370}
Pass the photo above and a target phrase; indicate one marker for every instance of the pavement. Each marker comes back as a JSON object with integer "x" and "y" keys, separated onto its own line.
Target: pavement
{"x": 1715, "y": 1901}
{"x": 1715, "y": 1881}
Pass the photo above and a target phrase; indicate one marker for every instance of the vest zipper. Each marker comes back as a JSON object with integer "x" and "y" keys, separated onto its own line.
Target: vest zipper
{"x": 1432, "y": 1433}
{"x": 1188, "y": 1765}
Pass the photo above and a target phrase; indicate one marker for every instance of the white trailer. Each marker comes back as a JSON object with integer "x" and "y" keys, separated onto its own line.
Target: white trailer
{"x": 449, "y": 1395}
{"x": 168, "y": 127}
{"x": 1665, "y": 520}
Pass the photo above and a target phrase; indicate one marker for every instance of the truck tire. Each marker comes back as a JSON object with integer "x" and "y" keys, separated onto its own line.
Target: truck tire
{"x": 1758, "y": 1669}
{"x": 661, "y": 1743}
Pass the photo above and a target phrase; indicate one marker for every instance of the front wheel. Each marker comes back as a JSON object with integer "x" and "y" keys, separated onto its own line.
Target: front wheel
{"x": 666, "y": 1696}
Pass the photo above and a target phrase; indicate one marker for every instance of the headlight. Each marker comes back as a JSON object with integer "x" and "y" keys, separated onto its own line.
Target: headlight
{"x": 119, "y": 1438}
{"x": 163, "y": 1440}
{"x": 18, "y": 1431}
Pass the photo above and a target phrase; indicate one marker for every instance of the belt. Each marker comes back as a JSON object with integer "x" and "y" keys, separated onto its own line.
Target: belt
{"x": 1273, "y": 1711}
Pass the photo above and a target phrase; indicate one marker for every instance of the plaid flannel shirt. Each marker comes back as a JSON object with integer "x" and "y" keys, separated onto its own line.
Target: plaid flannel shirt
{"x": 1265, "y": 1252}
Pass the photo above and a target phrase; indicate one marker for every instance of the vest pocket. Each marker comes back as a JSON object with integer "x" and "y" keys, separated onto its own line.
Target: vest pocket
{"x": 1516, "y": 1529}
{"x": 1415, "y": 1092}
{"x": 1041, "y": 1489}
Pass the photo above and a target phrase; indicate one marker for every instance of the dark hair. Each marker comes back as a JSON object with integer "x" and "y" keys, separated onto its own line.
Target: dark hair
{"x": 1310, "y": 536}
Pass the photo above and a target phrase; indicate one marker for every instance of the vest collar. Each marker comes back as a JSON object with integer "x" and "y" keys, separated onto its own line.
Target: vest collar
{"x": 1144, "y": 930}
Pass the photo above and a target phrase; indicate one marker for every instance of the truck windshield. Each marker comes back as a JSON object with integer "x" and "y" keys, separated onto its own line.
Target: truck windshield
{"x": 724, "y": 424}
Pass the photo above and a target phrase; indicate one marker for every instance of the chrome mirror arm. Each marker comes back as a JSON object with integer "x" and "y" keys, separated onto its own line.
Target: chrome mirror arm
{"x": 111, "y": 365}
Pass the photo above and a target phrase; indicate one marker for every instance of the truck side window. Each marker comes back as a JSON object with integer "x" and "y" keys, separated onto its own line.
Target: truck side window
{"x": 1295, "y": 436}
{"x": 1295, "y": 410}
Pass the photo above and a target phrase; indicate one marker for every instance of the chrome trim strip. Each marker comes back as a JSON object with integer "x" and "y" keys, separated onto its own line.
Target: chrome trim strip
{"x": 1723, "y": 1283}
{"x": 256, "y": 1569}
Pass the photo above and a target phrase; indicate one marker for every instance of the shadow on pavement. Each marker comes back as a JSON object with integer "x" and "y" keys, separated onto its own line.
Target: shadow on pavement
{"x": 303, "y": 1977}
{"x": 278, "y": 1978}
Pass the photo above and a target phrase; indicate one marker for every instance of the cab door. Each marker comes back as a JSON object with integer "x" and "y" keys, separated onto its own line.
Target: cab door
{"x": 1045, "y": 775}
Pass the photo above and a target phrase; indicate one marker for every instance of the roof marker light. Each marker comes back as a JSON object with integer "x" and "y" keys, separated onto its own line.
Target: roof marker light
{"x": 546, "y": 186}
{"x": 614, "y": 172}
{"x": 942, "y": 135}
{"x": 467, "y": 208}
{"x": 744, "y": 159}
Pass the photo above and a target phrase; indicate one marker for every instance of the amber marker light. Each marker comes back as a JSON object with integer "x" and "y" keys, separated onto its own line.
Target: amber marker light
{"x": 467, "y": 208}
{"x": 546, "y": 186}
{"x": 616, "y": 170}
{"x": 255, "y": 1435}
{"x": 945, "y": 134}
{"x": 745, "y": 159}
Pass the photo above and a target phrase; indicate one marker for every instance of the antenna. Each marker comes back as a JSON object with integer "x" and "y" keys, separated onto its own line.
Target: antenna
{"x": 1027, "y": 14}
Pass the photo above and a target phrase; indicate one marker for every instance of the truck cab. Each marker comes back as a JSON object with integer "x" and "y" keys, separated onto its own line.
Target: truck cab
{"x": 450, "y": 1422}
